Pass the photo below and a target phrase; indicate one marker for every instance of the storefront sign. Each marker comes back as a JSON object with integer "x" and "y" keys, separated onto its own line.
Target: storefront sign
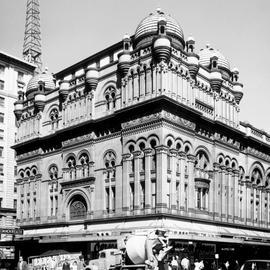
{"x": 11, "y": 231}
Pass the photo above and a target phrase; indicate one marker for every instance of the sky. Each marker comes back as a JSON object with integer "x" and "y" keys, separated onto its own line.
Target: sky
{"x": 72, "y": 30}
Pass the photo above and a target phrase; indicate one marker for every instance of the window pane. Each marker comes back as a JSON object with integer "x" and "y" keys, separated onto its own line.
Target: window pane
{"x": 2, "y": 101}
{"x": 77, "y": 210}
{"x": 20, "y": 76}
{"x": 2, "y": 84}
{"x": 1, "y": 118}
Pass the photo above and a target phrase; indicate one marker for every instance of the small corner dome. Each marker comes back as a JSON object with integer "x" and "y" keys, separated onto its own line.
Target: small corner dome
{"x": 46, "y": 79}
{"x": 207, "y": 53}
{"x": 148, "y": 28}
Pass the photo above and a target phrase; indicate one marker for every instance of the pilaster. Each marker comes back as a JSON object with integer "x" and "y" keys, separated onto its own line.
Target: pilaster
{"x": 125, "y": 183}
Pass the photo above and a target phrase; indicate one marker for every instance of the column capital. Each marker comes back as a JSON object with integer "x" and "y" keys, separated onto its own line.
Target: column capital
{"x": 137, "y": 154}
{"x": 236, "y": 172}
{"x": 229, "y": 170}
{"x": 191, "y": 158}
{"x": 162, "y": 149}
{"x": 216, "y": 166}
{"x": 126, "y": 156}
{"x": 173, "y": 152}
{"x": 222, "y": 168}
{"x": 182, "y": 154}
{"x": 148, "y": 152}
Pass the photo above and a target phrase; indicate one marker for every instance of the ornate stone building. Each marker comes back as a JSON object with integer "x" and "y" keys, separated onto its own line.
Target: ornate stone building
{"x": 144, "y": 134}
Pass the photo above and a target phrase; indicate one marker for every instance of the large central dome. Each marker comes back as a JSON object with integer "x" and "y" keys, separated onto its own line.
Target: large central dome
{"x": 148, "y": 28}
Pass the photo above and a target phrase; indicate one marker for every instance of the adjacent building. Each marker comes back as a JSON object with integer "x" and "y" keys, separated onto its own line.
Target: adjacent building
{"x": 144, "y": 134}
{"x": 14, "y": 76}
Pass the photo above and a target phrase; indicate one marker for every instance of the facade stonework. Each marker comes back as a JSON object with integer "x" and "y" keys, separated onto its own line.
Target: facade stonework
{"x": 142, "y": 135}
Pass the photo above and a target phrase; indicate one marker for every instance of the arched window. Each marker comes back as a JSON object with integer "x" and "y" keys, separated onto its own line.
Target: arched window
{"x": 54, "y": 115}
{"x": 256, "y": 177}
{"x": 71, "y": 162}
{"x": 78, "y": 208}
{"x": 153, "y": 144}
{"x": 110, "y": 98}
{"x": 53, "y": 172}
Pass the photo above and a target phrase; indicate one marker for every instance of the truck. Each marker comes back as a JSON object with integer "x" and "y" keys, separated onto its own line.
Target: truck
{"x": 138, "y": 252}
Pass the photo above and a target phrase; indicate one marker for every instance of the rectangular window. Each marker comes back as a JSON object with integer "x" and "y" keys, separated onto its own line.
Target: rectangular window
{"x": 2, "y": 101}
{"x": 56, "y": 205}
{"x": 15, "y": 170}
{"x": 1, "y": 169}
{"x": 1, "y": 134}
{"x": 113, "y": 198}
{"x": 51, "y": 198}
{"x": 1, "y": 118}
{"x": 1, "y": 151}
{"x": 153, "y": 193}
{"x": 107, "y": 199}
{"x": 15, "y": 204}
{"x": 20, "y": 76}
{"x": 1, "y": 202}
{"x": 2, "y": 85}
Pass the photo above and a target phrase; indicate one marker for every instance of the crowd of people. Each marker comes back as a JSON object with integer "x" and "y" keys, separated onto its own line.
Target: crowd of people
{"x": 184, "y": 263}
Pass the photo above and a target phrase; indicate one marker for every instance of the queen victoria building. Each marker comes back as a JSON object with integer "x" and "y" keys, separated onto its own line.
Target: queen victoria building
{"x": 144, "y": 134}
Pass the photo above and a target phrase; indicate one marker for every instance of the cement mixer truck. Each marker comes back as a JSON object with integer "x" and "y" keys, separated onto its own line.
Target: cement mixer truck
{"x": 138, "y": 252}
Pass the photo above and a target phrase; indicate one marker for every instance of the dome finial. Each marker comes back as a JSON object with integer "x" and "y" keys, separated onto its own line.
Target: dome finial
{"x": 158, "y": 10}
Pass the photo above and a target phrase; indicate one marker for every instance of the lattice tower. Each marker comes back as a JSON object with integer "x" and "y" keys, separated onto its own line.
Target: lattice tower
{"x": 32, "y": 37}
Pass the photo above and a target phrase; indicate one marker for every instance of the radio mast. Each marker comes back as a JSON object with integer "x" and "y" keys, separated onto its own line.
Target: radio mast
{"x": 32, "y": 37}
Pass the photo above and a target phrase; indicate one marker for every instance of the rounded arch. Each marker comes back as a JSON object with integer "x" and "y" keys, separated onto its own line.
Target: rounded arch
{"x": 169, "y": 141}
{"x": 81, "y": 153}
{"x": 27, "y": 172}
{"x": 178, "y": 144}
{"x": 207, "y": 152}
{"x": 70, "y": 160}
{"x": 78, "y": 193}
{"x": 128, "y": 144}
{"x": 227, "y": 161}
{"x": 187, "y": 147}
{"x": 220, "y": 159}
{"x": 50, "y": 108}
{"x": 21, "y": 173}
{"x": 141, "y": 143}
{"x": 267, "y": 178}
{"x": 109, "y": 158}
{"x": 152, "y": 138}
{"x": 234, "y": 163}
{"x": 53, "y": 171}
{"x": 242, "y": 173}
{"x": 34, "y": 170}
{"x": 258, "y": 165}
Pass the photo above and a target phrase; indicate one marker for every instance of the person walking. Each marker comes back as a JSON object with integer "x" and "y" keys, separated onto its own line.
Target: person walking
{"x": 174, "y": 263}
{"x": 22, "y": 265}
{"x": 81, "y": 263}
{"x": 185, "y": 263}
{"x": 66, "y": 265}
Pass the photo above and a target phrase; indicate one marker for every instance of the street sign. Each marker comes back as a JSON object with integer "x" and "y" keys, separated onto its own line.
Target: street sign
{"x": 11, "y": 231}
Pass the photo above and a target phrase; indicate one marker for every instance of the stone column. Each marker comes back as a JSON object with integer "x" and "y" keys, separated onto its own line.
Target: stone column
{"x": 244, "y": 202}
{"x": 148, "y": 81}
{"x": 161, "y": 176}
{"x": 125, "y": 184}
{"x": 182, "y": 157}
{"x": 137, "y": 190}
{"x": 191, "y": 184}
{"x": 118, "y": 189}
{"x": 248, "y": 205}
{"x": 236, "y": 205}
{"x": 173, "y": 153}
{"x": 216, "y": 181}
{"x": 210, "y": 194}
{"x": 230, "y": 197}
{"x": 223, "y": 200}
{"x": 147, "y": 177}
{"x": 268, "y": 208}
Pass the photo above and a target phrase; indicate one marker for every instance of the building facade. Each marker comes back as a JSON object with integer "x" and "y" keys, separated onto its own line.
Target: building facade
{"x": 142, "y": 135}
{"x": 14, "y": 76}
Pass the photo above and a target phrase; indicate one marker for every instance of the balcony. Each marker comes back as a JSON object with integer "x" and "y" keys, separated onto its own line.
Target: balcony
{"x": 78, "y": 175}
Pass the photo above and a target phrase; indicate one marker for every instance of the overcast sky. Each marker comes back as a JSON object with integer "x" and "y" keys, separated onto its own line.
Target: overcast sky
{"x": 74, "y": 29}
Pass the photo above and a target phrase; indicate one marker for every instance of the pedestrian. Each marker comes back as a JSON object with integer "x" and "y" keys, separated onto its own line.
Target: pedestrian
{"x": 81, "y": 263}
{"x": 66, "y": 265}
{"x": 174, "y": 263}
{"x": 196, "y": 264}
{"x": 185, "y": 263}
{"x": 225, "y": 266}
{"x": 22, "y": 265}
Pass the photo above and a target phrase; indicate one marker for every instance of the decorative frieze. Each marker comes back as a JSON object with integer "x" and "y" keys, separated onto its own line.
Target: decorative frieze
{"x": 79, "y": 139}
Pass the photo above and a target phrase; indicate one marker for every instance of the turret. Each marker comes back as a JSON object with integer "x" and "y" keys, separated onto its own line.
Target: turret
{"x": 91, "y": 77}
{"x": 237, "y": 87}
{"x": 124, "y": 57}
{"x": 39, "y": 97}
{"x": 193, "y": 58}
{"x": 162, "y": 44}
{"x": 63, "y": 89}
{"x": 18, "y": 105}
{"x": 216, "y": 78}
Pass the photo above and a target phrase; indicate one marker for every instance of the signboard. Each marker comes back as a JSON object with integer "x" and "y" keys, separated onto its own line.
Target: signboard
{"x": 11, "y": 231}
